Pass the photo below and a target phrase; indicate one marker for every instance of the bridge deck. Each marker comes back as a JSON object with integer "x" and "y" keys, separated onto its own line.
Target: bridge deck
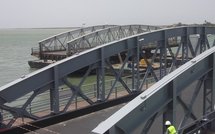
{"x": 57, "y": 53}
{"x": 81, "y": 125}
{"x": 85, "y": 124}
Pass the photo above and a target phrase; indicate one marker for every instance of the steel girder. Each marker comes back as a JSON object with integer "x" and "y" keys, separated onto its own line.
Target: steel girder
{"x": 163, "y": 95}
{"x": 145, "y": 106}
{"x": 104, "y": 36}
{"x": 53, "y": 76}
{"x": 58, "y": 42}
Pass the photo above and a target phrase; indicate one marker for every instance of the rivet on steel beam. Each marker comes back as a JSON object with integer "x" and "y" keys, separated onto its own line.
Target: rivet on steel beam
{"x": 141, "y": 39}
{"x": 143, "y": 97}
{"x": 193, "y": 61}
{"x": 197, "y": 35}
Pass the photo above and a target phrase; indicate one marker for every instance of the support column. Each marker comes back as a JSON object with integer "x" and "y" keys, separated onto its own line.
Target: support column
{"x": 54, "y": 92}
{"x": 203, "y": 38}
{"x": 55, "y": 44}
{"x": 137, "y": 73}
{"x": 209, "y": 89}
{"x": 207, "y": 95}
{"x": 40, "y": 50}
{"x": 133, "y": 72}
{"x": 212, "y": 125}
{"x": 135, "y": 67}
{"x": 101, "y": 78}
{"x": 68, "y": 51}
{"x": 163, "y": 56}
{"x": 213, "y": 83}
{"x": 184, "y": 50}
{"x": 70, "y": 37}
{"x": 214, "y": 43}
{"x": 170, "y": 113}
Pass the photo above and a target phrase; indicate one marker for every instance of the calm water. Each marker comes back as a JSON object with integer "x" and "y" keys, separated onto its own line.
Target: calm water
{"x": 15, "y": 51}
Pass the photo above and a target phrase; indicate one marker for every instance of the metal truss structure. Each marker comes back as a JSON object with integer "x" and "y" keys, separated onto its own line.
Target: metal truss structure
{"x": 106, "y": 36}
{"x": 63, "y": 45}
{"x": 165, "y": 96}
{"x": 58, "y": 42}
{"x": 156, "y": 48}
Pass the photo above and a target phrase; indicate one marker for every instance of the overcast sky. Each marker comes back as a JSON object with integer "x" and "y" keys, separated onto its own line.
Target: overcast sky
{"x": 72, "y": 13}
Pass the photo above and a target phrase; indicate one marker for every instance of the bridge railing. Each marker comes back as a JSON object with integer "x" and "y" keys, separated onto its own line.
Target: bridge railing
{"x": 58, "y": 42}
{"x": 42, "y": 102}
{"x": 105, "y": 36}
{"x": 199, "y": 126}
{"x": 53, "y": 49}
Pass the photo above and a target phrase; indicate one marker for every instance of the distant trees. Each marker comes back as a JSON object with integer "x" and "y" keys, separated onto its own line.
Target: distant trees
{"x": 207, "y": 23}
{"x": 178, "y": 25}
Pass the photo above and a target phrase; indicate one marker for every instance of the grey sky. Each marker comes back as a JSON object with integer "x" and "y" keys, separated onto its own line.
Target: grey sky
{"x": 68, "y": 13}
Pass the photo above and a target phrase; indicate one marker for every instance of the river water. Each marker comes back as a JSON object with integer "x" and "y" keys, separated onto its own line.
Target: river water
{"x": 15, "y": 50}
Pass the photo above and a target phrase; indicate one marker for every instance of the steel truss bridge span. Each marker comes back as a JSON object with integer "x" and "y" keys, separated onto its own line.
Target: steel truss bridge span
{"x": 164, "y": 97}
{"x": 58, "y": 42}
{"x": 66, "y": 44}
{"x": 51, "y": 78}
{"x": 105, "y": 36}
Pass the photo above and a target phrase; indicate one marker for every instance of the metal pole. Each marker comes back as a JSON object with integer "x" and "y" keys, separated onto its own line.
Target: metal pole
{"x": 54, "y": 92}
{"x": 101, "y": 78}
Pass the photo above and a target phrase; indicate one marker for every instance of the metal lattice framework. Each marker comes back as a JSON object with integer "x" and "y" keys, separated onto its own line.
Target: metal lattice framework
{"x": 66, "y": 44}
{"x": 162, "y": 98}
{"x": 159, "y": 43}
{"x": 58, "y": 42}
{"x": 106, "y": 36}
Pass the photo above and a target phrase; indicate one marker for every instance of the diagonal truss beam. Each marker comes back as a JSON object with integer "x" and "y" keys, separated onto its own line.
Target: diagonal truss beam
{"x": 156, "y": 97}
{"x": 55, "y": 73}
